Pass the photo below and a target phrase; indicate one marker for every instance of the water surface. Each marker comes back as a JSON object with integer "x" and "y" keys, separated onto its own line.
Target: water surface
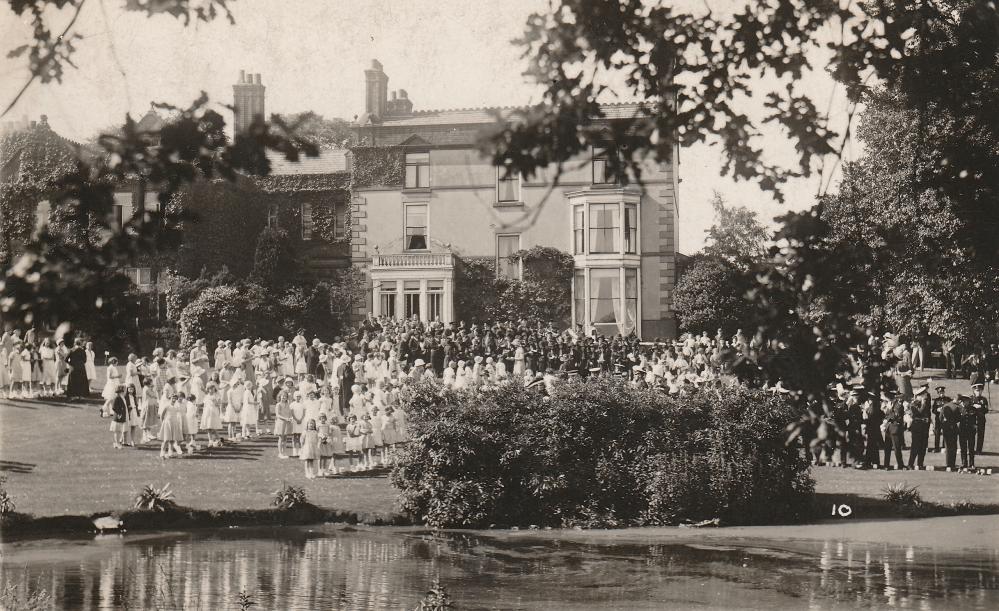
{"x": 337, "y": 568}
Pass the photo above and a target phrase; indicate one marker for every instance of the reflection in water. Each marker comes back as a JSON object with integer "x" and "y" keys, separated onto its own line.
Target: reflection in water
{"x": 391, "y": 569}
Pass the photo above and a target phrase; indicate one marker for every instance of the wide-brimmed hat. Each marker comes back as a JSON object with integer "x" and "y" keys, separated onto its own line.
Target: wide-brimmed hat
{"x": 421, "y": 363}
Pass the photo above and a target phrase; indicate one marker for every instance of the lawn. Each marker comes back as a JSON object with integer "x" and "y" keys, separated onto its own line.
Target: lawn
{"x": 59, "y": 461}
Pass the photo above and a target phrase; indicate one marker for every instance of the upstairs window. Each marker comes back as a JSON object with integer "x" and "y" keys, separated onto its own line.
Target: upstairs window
{"x": 604, "y": 228}
{"x": 578, "y": 230}
{"x": 630, "y": 229}
{"x": 272, "y": 216}
{"x": 306, "y": 221}
{"x": 140, "y": 276}
{"x": 507, "y": 187}
{"x": 601, "y": 169}
{"x": 416, "y": 227}
{"x": 417, "y": 170}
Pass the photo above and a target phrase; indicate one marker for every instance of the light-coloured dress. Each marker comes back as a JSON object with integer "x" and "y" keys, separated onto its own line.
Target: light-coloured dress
{"x": 211, "y": 417}
{"x": 114, "y": 379}
{"x": 91, "y": 365}
{"x": 310, "y": 445}
{"x": 251, "y": 407}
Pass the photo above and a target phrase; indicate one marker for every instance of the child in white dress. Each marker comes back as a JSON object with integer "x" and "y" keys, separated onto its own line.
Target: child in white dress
{"x": 211, "y": 416}
{"x": 251, "y": 409}
{"x": 113, "y": 379}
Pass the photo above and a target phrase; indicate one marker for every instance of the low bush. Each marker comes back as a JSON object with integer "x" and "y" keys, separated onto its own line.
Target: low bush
{"x": 7, "y": 506}
{"x": 903, "y": 495}
{"x": 289, "y": 497}
{"x": 599, "y": 453}
{"x": 152, "y": 498}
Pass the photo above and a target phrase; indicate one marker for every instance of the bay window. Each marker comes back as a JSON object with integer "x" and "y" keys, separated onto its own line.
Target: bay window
{"x": 606, "y": 299}
{"x": 630, "y": 229}
{"x": 387, "y": 299}
{"x": 604, "y": 228}
{"x": 579, "y": 297}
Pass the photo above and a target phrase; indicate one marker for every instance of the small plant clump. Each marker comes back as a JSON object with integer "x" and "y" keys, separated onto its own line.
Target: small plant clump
{"x": 7, "y": 506}
{"x": 290, "y": 496}
{"x": 12, "y": 598}
{"x": 902, "y": 495}
{"x": 436, "y": 598}
{"x": 155, "y": 499}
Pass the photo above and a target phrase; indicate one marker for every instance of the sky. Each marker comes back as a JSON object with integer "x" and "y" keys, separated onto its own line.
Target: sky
{"x": 312, "y": 55}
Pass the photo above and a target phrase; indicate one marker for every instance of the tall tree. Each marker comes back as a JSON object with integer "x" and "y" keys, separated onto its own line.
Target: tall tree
{"x": 737, "y": 236}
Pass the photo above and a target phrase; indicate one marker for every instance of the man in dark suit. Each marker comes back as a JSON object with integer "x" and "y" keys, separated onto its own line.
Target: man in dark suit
{"x": 938, "y": 402}
{"x": 895, "y": 433}
{"x": 967, "y": 432}
{"x": 920, "y": 408}
{"x": 980, "y": 406}
{"x": 949, "y": 421}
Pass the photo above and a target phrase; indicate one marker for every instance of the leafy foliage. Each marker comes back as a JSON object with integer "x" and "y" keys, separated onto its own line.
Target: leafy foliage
{"x": 599, "y": 454}
{"x": 903, "y": 495}
{"x": 324, "y": 133}
{"x": 544, "y": 294}
{"x": 736, "y": 236}
{"x": 152, "y": 498}
{"x": 7, "y": 506}
{"x": 437, "y": 598}
{"x": 378, "y": 166}
{"x": 710, "y": 295}
{"x": 273, "y": 260}
{"x": 289, "y": 496}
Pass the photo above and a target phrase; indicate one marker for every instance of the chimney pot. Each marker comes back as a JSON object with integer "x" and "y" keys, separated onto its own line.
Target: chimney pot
{"x": 393, "y": 95}
{"x": 376, "y": 65}
{"x": 242, "y": 76}
{"x": 403, "y": 94}
{"x": 256, "y": 78}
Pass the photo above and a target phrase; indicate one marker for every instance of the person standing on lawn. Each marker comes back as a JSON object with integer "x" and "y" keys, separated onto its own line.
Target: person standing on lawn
{"x": 895, "y": 430}
{"x": 967, "y": 433}
{"x": 980, "y": 407}
{"x": 920, "y": 408}
{"x": 119, "y": 417}
{"x": 949, "y": 422}
{"x": 938, "y": 402}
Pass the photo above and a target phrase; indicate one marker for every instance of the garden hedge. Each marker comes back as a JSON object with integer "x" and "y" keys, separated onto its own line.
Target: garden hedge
{"x": 599, "y": 454}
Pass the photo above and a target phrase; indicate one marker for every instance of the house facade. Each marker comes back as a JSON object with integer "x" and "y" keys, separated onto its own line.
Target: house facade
{"x": 411, "y": 228}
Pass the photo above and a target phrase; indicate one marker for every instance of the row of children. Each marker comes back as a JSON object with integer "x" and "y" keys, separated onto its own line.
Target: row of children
{"x": 364, "y": 438}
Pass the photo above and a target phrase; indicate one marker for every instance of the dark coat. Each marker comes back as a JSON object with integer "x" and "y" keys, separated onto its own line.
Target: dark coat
{"x": 119, "y": 409}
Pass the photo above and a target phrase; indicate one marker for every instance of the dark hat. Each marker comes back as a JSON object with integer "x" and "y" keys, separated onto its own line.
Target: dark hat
{"x": 941, "y": 387}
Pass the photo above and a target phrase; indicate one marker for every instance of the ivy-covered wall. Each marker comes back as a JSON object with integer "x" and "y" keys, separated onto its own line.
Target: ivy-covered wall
{"x": 378, "y": 166}
{"x": 230, "y": 217}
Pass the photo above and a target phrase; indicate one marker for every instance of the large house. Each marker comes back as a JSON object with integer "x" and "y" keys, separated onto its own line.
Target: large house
{"x": 447, "y": 203}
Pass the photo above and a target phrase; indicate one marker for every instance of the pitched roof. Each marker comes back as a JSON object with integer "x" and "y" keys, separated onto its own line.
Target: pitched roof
{"x": 328, "y": 162}
{"x": 466, "y": 116}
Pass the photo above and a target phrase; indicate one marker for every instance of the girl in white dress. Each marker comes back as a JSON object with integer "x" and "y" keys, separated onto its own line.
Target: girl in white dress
{"x": 49, "y": 376}
{"x": 300, "y": 367}
{"x": 234, "y": 405}
{"x": 211, "y": 416}
{"x": 171, "y": 426}
{"x": 132, "y": 370}
{"x": 113, "y": 379}
{"x": 150, "y": 410}
{"x": 284, "y": 425}
{"x": 251, "y": 410}
{"x": 14, "y": 369}
{"x": 298, "y": 422}
{"x": 355, "y": 442}
{"x": 4, "y": 370}
{"x": 91, "y": 364}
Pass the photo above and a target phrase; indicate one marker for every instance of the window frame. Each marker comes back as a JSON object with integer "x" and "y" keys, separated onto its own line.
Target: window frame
{"x": 514, "y": 176}
{"x": 272, "y": 216}
{"x": 305, "y": 211}
{"x": 520, "y": 263}
{"x": 600, "y": 153}
{"x": 426, "y": 226}
{"x": 614, "y": 228}
{"x": 417, "y": 165}
{"x": 629, "y": 235}
{"x": 579, "y": 233}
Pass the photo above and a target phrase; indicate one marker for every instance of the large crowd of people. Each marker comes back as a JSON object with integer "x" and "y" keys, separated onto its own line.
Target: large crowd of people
{"x": 340, "y": 400}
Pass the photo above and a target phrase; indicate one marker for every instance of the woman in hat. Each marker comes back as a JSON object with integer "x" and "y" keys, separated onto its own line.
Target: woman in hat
{"x": 113, "y": 380}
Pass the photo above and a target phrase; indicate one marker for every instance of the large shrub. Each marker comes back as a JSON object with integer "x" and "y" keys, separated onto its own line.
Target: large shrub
{"x": 711, "y": 295}
{"x": 219, "y": 312}
{"x": 273, "y": 260}
{"x": 599, "y": 453}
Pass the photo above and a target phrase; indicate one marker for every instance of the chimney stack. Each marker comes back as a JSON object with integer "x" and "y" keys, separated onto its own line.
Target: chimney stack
{"x": 375, "y": 91}
{"x": 248, "y": 100}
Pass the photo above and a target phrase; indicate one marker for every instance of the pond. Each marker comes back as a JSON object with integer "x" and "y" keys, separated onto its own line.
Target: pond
{"x": 328, "y": 567}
